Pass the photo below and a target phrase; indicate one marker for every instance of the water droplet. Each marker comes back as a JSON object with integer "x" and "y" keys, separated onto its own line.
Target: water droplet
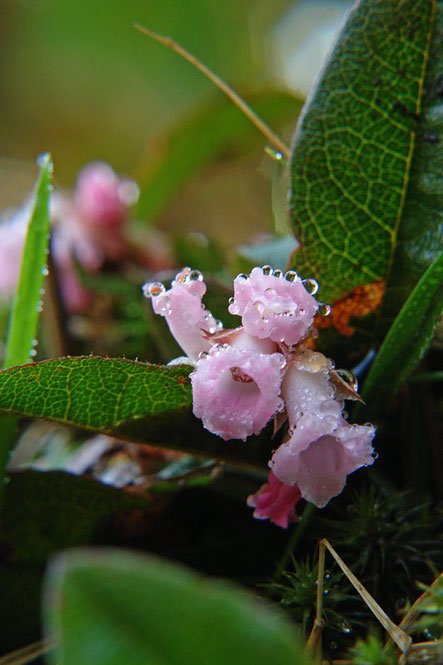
{"x": 151, "y": 289}
{"x": 267, "y": 270}
{"x": 34, "y": 342}
{"x": 348, "y": 377}
{"x": 231, "y": 300}
{"x": 400, "y": 603}
{"x": 278, "y": 273}
{"x": 310, "y": 285}
{"x": 50, "y": 187}
{"x": 165, "y": 305}
{"x": 219, "y": 325}
{"x": 291, "y": 276}
{"x": 45, "y": 271}
{"x": 242, "y": 275}
{"x": 345, "y": 627}
{"x": 345, "y": 414}
{"x": 33, "y": 353}
{"x": 281, "y": 362}
{"x": 374, "y": 455}
{"x": 260, "y": 307}
{"x": 203, "y": 354}
{"x": 275, "y": 154}
{"x": 324, "y": 309}
{"x": 41, "y": 291}
{"x": 280, "y": 405}
{"x": 196, "y": 276}
{"x": 270, "y": 293}
{"x": 39, "y": 306}
{"x": 271, "y": 464}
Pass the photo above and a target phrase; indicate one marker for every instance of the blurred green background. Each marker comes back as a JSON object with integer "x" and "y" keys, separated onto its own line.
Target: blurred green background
{"x": 78, "y": 80}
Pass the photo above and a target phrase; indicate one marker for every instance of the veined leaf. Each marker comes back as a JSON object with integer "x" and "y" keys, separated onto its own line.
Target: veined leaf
{"x": 408, "y": 337}
{"x": 112, "y": 607}
{"x": 22, "y": 328}
{"x": 353, "y": 149}
{"x": 420, "y": 237}
{"x": 125, "y": 399}
{"x": 218, "y": 130}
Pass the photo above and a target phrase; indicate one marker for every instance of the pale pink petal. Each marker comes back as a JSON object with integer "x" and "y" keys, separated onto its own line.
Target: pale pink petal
{"x": 236, "y": 390}
{"x": 320, "y": 469}
{"x": 99, "y": 196}
{"x": 182, "y": 307}
{"x": 273, "y": 306}
{"x": 275, "y": 501}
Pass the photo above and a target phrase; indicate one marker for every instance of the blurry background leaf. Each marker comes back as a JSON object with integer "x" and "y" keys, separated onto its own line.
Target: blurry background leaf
{"x": 93, "y": 598}
{"x": 220, "y": 130}
{"x": 353, "y": 148}
{"x": 44, "y": 513}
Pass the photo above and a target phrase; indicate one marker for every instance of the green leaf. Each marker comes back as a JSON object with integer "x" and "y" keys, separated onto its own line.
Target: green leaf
{"x": 353, "y": 149}
{"x": 125, "y": 399}
{"x": 219, "y": 130}
{"x": 115, "y": 607}
{"x": 420, "y": 234}
{"x": 49, "y": 511}
{"x": 23, "y": 323}
{"x": 408, "y": 337}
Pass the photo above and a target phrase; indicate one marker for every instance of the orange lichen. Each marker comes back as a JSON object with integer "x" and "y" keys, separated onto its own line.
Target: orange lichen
{"x": 357, "y": 303}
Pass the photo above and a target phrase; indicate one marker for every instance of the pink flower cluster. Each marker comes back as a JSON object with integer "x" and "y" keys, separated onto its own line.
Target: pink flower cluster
{"x": 87, "y": 227}
{"x": 246, "y": 376}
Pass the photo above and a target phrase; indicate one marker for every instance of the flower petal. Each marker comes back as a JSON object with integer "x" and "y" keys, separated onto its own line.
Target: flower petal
{"x": 236, "y": 390}
{"x": 275, "y": 307}
{"x": 182, "y": 308}
{"x": 275, "y": 501}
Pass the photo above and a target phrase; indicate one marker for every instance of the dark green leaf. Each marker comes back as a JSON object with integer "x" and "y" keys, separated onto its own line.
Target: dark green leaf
{"x": 420, "y": 234}
{"x": 49, "y": 511}
{"x": 219, "y": 130}
{"x": 121, "y": 398}
{"x": 408, "y": 337}
{"x": 353, "y": 148}
{"x": 116, "y": 607}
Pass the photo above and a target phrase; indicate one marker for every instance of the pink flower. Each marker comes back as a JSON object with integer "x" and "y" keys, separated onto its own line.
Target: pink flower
{"x": 274, "y": 306}
{"x": 322, "y": 448}
{"x": 182, "y": 307}
{"x": 236, "y": 390}
{"x": 275, "y": 501}
{"x": 102, "y": 197}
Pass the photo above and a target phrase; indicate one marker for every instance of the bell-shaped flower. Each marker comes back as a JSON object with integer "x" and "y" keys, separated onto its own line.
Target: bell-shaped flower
{"x": 322, "y": 448}
{"x": 236, "y": 389}
{"x": 273, "y": 305}
{"x": 275, "y": 501}
{"x": 181, "y": 305}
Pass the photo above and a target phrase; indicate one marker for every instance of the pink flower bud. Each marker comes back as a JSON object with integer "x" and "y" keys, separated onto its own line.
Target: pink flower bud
{"x": 101, "y": 197}
{"x": 275, "y": 501}
{"x": 272, "y": 305}
{"x": 181, "y": 305}
{"x": 236, "y": 390}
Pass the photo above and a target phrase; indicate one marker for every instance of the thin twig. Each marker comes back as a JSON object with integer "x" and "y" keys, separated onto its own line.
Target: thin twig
{"x": 228, "y": 91}
{"x": 27, "y": 654}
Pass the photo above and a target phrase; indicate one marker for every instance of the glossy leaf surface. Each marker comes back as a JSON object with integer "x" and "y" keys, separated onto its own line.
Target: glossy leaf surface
{"x": 354, "y": 146}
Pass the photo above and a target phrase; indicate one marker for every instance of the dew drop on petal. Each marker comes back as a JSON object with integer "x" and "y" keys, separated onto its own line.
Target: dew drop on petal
{"x": 278, "y": 273}
{"x": 291, "y": 276}
{"x": 195, "y": 276}
{"x": 260, "y": 307}
{"x": 267, "y": 270}
{"x": 242, "y": 275}
{"x": 231, "y": 300}
{"x": 324, "y": 309}
{"x": 311, "y": 286}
